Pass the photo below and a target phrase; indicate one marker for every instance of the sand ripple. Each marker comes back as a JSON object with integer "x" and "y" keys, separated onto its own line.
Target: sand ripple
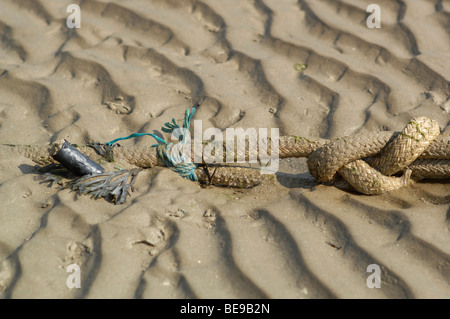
{"x": 133, "y": 65}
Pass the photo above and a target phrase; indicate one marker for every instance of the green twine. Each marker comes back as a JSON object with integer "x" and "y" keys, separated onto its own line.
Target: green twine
{"x": 186, "y": 170}
{"x": 177, "y": 164}
{"x": 169, "y": 127}
{"x": 157, "y": 138}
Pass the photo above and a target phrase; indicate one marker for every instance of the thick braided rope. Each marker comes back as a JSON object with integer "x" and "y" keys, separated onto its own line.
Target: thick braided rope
{"x": 404, "y": 148}
{"x": 229, "y": 176}
{"x": 391, "y": 157}
{"x": 340, "y": 155}
{"x": 399, "y": 153}
{"x": 438, "y": 151}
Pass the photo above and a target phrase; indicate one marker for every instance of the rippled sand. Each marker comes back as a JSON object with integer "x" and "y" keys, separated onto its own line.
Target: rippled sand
{"x": 133, "y": 65}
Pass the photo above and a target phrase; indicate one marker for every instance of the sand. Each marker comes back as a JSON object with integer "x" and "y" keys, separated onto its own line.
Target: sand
{"x": 133, "y": 65}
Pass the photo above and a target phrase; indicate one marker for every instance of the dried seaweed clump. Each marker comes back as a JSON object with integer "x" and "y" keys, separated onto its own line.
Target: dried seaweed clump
{"x": 113, "y": 186}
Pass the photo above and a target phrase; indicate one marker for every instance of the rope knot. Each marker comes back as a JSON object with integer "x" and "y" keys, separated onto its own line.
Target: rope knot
{"x": 366, "y": 162}
{"x": 174, "y": 159}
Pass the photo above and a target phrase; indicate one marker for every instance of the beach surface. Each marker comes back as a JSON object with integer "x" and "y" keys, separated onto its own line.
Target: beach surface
{"x": 133, "y": 65}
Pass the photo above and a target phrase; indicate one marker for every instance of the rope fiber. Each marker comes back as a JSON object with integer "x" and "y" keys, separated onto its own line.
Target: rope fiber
{"x": 372, "y": 163}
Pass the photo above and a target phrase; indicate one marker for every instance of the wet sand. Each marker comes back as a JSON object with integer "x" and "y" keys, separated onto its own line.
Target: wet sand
{"x": 133, "y": 65}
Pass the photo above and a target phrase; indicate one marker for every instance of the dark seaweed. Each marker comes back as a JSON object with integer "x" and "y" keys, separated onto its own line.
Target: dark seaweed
{"x": 112, "y": 186}
{"x": 105, "y": 150}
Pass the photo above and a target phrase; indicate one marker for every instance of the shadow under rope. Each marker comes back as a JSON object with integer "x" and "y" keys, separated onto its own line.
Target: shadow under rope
{"x": 57, "y": 175}
{"x": 302, "y": 180}
{"x": 307, "y": 181}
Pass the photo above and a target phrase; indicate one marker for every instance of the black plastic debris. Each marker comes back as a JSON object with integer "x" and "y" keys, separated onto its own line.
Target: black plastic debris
{"x": 76, "y": 162}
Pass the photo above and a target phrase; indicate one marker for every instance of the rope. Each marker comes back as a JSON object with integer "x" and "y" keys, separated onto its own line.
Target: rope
{"x": 172, "y": 157}
{"x": 367, "y": 161}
